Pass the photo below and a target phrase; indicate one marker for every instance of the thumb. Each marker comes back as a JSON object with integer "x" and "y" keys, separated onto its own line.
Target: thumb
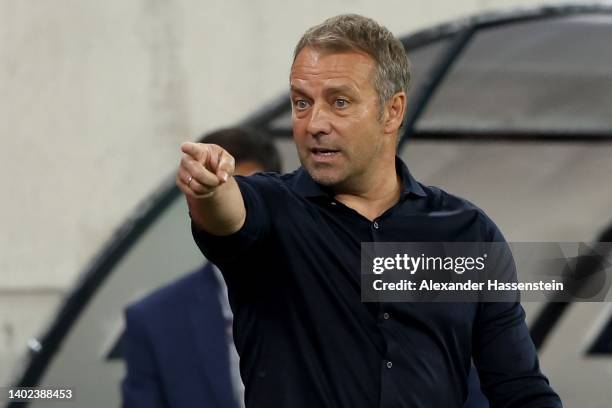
{"x": 226, "y": 166}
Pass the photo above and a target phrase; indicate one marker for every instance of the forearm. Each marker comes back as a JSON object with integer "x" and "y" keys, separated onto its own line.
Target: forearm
{"x": 222, "y": 212}
{"x": 507, "y": 361}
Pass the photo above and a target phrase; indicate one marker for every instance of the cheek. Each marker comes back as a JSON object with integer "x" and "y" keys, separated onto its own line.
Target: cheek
{"x": 300, "y": 141}
{"x": 298, "y": 131}
{"x": 364, "y": 119}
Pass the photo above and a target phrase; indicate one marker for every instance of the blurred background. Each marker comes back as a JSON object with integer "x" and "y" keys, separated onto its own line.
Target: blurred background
{"x": 511, "y": 107}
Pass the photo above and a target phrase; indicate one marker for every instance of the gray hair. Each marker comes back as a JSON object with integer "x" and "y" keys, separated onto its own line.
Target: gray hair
{"x": 354, "y": 32}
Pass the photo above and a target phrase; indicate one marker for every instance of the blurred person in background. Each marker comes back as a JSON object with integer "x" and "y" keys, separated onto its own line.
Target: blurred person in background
{"x": 179, "y": 348}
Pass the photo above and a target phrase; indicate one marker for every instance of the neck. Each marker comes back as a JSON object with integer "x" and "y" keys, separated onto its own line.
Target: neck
{"x": 376, "y": 192}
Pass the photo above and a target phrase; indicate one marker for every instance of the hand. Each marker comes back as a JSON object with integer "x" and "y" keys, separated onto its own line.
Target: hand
{"x": 203, "y": 168}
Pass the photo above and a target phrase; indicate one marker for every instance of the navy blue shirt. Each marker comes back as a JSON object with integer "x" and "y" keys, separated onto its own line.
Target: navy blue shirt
{"x": 305, "y": 338}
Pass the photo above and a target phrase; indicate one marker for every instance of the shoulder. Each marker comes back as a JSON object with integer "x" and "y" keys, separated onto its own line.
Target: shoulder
{"x": 442, "y": 200}
{"x": 269, "y": 180}
{"x": 261, "y": 185}
{"x": 441, "y": 203}
{"x": 164, "y": 300}
{"x": 272, "y": 188}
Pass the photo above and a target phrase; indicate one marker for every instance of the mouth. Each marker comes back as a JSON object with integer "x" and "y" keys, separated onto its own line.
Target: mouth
{"x": 324, "y": 152}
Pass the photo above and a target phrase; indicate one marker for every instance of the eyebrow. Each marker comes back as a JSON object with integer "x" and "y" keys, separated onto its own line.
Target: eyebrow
{"x": 340, "y": 89}
{"x": 296, "y": 89}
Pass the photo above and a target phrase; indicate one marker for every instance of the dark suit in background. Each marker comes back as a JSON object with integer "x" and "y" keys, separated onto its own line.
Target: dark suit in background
{"x": 176, "y": 347}
{"x": 177, "y": 340}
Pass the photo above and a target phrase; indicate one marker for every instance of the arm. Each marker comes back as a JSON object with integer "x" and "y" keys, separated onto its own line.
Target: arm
{"x": 507, "y": 361}
{"x": 503, "y": 351}
{"x": 205, "y": 176}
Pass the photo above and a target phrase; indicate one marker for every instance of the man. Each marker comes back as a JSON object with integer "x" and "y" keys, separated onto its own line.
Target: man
{"x": 178, "y": 343}
{"x": 289, "y": 249}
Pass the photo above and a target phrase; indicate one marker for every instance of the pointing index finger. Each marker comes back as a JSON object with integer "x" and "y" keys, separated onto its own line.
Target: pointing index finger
{"x": 194, "y": 150}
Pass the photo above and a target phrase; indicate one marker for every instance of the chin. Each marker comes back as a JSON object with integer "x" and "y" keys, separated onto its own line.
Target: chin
{"x": 326, "y": 178}
{"x": 327, "y": 175}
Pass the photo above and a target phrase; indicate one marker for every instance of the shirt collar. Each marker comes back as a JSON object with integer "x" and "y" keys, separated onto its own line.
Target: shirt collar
{"x": 307, "y": 187}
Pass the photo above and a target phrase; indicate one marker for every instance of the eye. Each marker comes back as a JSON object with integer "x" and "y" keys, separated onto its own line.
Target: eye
{"x": 341, "y": 103}
{"x": 300, "y": 104}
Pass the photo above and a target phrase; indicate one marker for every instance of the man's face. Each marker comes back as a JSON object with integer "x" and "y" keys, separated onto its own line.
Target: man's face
{"x": 335, "y": 114}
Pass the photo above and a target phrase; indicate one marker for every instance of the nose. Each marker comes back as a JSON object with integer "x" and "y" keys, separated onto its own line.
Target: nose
{"x": 319, "y": 121}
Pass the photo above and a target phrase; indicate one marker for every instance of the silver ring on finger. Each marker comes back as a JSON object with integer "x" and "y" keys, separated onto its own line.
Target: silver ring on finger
{"x": 189, "y": 181}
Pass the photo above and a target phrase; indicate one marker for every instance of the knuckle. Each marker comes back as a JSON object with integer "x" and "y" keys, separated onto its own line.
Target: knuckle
{"x": 193, "y": 167}
{"x": 185, "y": 161}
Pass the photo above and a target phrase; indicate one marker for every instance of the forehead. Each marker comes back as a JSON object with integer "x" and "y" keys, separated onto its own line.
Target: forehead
{"x": 313, "y": 65}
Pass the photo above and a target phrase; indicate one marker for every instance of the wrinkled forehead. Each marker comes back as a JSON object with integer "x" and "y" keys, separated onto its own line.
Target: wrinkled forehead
{"x": 335, "y": 48}
{"x": 312, "y": 65}
{"x": 326, "y": 51}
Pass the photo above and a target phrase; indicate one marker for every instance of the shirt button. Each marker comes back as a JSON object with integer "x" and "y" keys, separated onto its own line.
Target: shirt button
{"x": 386, "y": 316}
{"x": 333, "y": 203}
{"x": 389, "y": 364}
{"x": 375, "y": 225}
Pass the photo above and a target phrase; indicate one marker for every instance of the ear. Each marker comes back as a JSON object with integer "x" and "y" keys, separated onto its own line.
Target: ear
{"x": 395, "y": 109}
